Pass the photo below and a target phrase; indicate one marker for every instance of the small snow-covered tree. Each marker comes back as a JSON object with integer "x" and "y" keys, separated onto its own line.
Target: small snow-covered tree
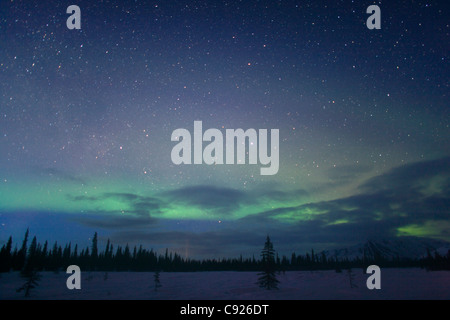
{"x": 32, "y": 281}
{"x": 267, "y": 278}
{"x": 157, "y": 281}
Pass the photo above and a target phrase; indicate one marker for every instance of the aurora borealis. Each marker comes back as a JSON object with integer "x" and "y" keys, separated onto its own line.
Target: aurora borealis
{"x": 86, "y": 118}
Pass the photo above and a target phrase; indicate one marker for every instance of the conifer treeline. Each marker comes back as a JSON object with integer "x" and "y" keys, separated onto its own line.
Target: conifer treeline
{"x": 44, "y": 257}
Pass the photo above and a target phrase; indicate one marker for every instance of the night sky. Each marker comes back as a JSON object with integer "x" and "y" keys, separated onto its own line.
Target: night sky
{"x": 86, "y": 118}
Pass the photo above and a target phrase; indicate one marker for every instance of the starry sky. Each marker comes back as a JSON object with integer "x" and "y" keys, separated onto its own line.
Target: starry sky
{"x": 86, "y": 118}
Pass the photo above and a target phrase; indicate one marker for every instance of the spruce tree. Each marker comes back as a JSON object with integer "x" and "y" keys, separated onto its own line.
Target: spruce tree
{"x": 94, "y": 253}
{"x": 21, "y": 254}
{"x": 29, "y": 272}
{"x": 93, "y": 258}
{"x": 30, "y": 261}
{"x": 267, "y": 278}
{"x": 32, "y": 281}
{"x": 156, "y": 280}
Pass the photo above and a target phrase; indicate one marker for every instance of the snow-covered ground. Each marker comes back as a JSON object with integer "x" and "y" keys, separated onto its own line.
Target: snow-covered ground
{"x": 395, "y": 284}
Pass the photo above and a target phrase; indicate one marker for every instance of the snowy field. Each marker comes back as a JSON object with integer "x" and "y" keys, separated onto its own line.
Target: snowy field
{"x": 395, "y": 284}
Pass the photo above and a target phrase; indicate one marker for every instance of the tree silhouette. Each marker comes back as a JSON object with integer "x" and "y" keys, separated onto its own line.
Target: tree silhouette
{"x": 5, "y": 256}
{"x": 32, "y": 281}
{"x": 156, "y": 280}
{"x": 30, "y": 261}
{"x": 29, "y": 272}
{"x": 19, "y": 257}
{"x": 94, "y": 253}
{"x": 267, "y": 278}
{"x": 35, "y": 257}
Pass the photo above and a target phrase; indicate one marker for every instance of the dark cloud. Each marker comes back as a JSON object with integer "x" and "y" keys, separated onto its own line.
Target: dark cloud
{"x": 388, "y": 202}
{"x": 279, "y": 195}
{"x": 122, "y": 196}
{"x": 83, "y": 198}
{"x": 216, "y": 200}
{"x": 409, "y": 178}
{"x": 220, "y": 200}
{"x": 143, "y": 206}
